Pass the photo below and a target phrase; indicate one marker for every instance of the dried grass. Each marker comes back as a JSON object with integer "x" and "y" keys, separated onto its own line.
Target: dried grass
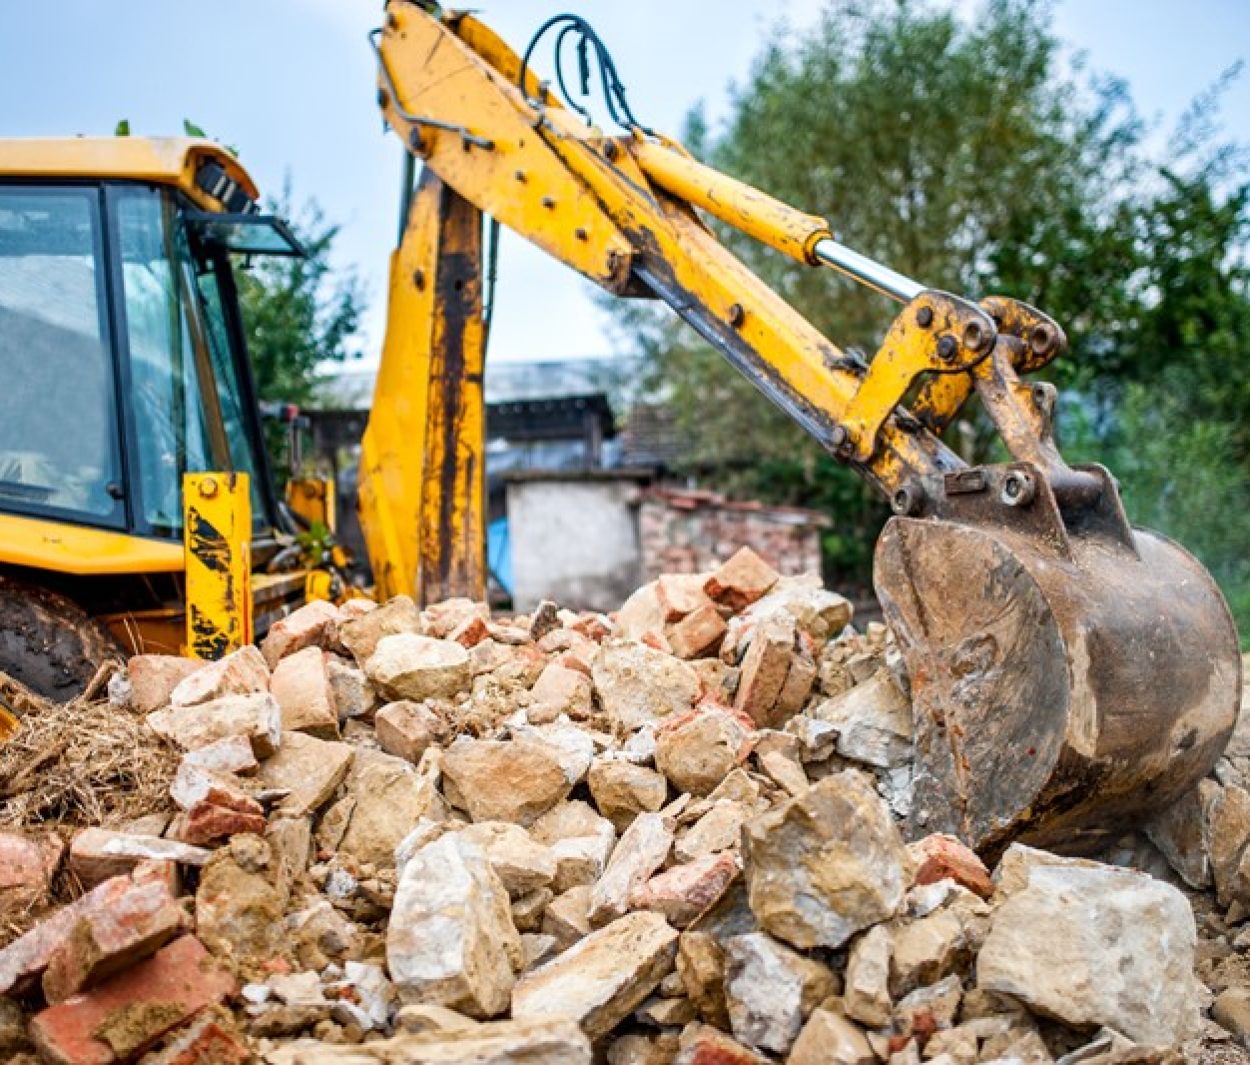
{"x": 85, "y": 762}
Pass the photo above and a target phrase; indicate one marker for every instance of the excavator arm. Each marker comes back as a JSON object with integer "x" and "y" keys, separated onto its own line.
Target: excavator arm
{"x": 1067, "y": 671}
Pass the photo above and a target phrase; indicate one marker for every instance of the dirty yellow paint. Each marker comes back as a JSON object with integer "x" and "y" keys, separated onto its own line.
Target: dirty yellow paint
{"x": 422, "y": 470}
{"x": 163, "y": 160}
{"x": 217, "y": 536}
{"x": 313, "y": 500}
{"x": 622, "y": 211}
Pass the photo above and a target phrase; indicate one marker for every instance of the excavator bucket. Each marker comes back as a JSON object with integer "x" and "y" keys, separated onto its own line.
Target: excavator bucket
{"x": 1069, "y": 674}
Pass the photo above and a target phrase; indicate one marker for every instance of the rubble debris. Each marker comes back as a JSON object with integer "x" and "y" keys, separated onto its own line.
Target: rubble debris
{"x": 639, "y": 852}
{"x": 638, "y": 685}
{"x": 451, "y": 941}
{"x": 406, "y": 666}
{"x": 505, "y": 780}
{"x": 128, "y": 1013}
{"x": 672, "y": 835}
{"x": 697, "y": 749}
{"x": 603, "y": 977}
{"x": 1093, "y": 945}
{"x": 315, "y": 624}
{"x": 254, "y": 715}
{"x": 622, "y": 790}
{"x": 153, "y": 678}
{"x": 771, "y": 990}
{"x": 242, "y": 672}
{"x": 98, "y": 854}
{"x": 27, "y": 864}
{"x": 741, "y": 580}
{"x": 301, "y": 687}
{"x": 307, "y": 769}
{"x": 826, "y": 864}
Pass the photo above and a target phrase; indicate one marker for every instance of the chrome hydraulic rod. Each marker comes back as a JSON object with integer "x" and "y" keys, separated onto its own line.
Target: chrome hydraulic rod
{"x": 866, "y": 271}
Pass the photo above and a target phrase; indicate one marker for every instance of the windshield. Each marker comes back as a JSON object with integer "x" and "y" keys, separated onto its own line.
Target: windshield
{"x": 58, "y": 433}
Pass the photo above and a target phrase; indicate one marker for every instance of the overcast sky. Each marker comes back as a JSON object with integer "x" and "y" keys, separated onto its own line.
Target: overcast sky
{"x": 291, "y": 84}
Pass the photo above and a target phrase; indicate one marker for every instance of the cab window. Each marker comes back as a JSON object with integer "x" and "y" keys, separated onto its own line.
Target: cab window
{"x": 59, "y": 439}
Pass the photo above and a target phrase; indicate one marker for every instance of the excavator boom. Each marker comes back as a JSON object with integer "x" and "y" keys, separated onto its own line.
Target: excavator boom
{"x": 1068, "y": 672}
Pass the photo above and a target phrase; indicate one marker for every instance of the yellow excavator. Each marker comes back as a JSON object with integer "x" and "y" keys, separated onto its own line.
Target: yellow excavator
{"x": 126, "y": 373}
{"x": 1068, "y": 672}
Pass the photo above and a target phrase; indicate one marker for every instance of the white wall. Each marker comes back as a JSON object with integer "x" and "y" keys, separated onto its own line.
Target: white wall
{"x": 574, "y": 541}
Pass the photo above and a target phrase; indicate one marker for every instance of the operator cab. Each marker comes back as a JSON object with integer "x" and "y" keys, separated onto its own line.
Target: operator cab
{"x": 122, "y": 351}
{"x": 122, "y": 366}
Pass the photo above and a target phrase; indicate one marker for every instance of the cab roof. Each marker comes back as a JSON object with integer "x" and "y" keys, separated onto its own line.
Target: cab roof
{"x": 163, "y": 160}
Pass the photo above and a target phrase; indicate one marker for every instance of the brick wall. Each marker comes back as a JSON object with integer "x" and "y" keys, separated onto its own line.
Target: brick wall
{"x": 692, "y": 531}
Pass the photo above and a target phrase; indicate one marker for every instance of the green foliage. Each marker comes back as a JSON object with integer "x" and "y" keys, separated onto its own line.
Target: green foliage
{"x": 301, "y": 315}
{"x": 122, "y": 129}
{"x": 1177, "y": 476}
{"x": 960, "y": 153}
{"x": 315, "y": 543}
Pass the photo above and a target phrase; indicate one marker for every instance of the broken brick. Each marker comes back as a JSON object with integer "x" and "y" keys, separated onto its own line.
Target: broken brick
{"x": 207, "y": 823}
{"x": 681, "y": 594}
{"x": 128, "y": 1013}
{"x": 242, "y": 672}
{"x": 941, "y": 857}
{"x": 209, "y": 1040}
{"x": 698, "y": 633}
{"x": 98, "y": 854}
{"x": 314, "y": 624}
{"x": 301, "y": 687}
{"x": 406, "y": 728}
{"x": 765, "y": 668}
{"x": 153, "y": 679}
{"x": 27, "y": 863}
{"x": 741, "y": 580}
{"x": 128, "y": 925}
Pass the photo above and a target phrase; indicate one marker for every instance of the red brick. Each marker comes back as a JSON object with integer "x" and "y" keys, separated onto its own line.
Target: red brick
{"x": 471, "y": 631}
{"x": 208, "y": 1040}
{"x": 682, "y": 892}
{"x": 698, "y": 633}
{"x": 941, "y": 857}
{"x": 314, "y": 624}
{"x": 130, "y": 1012}
{"x": 443, "y": 619}
{"x": 122, "y": 929}
{"x": 593, "y": 626}
{"x": 741, "y": 580}
{"x": 193, "y": 786}
{"x": 207, "y": 823}
{"x": 680, "y": 594}
{"x": 24, "y": 960}
{"x": 765, "y": 669}
{"x": 706, "y": 1045}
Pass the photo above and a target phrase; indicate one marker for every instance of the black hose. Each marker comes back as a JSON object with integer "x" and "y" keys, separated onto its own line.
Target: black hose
{"x": 587, "y": 41}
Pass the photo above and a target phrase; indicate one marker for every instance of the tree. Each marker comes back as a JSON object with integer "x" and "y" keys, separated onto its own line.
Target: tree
{"x": 300, "y": 314}
{"x": 960, "y": 153}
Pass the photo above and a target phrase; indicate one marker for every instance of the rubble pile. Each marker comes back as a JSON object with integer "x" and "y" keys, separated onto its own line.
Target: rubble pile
{"x": 672, "y": 835}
